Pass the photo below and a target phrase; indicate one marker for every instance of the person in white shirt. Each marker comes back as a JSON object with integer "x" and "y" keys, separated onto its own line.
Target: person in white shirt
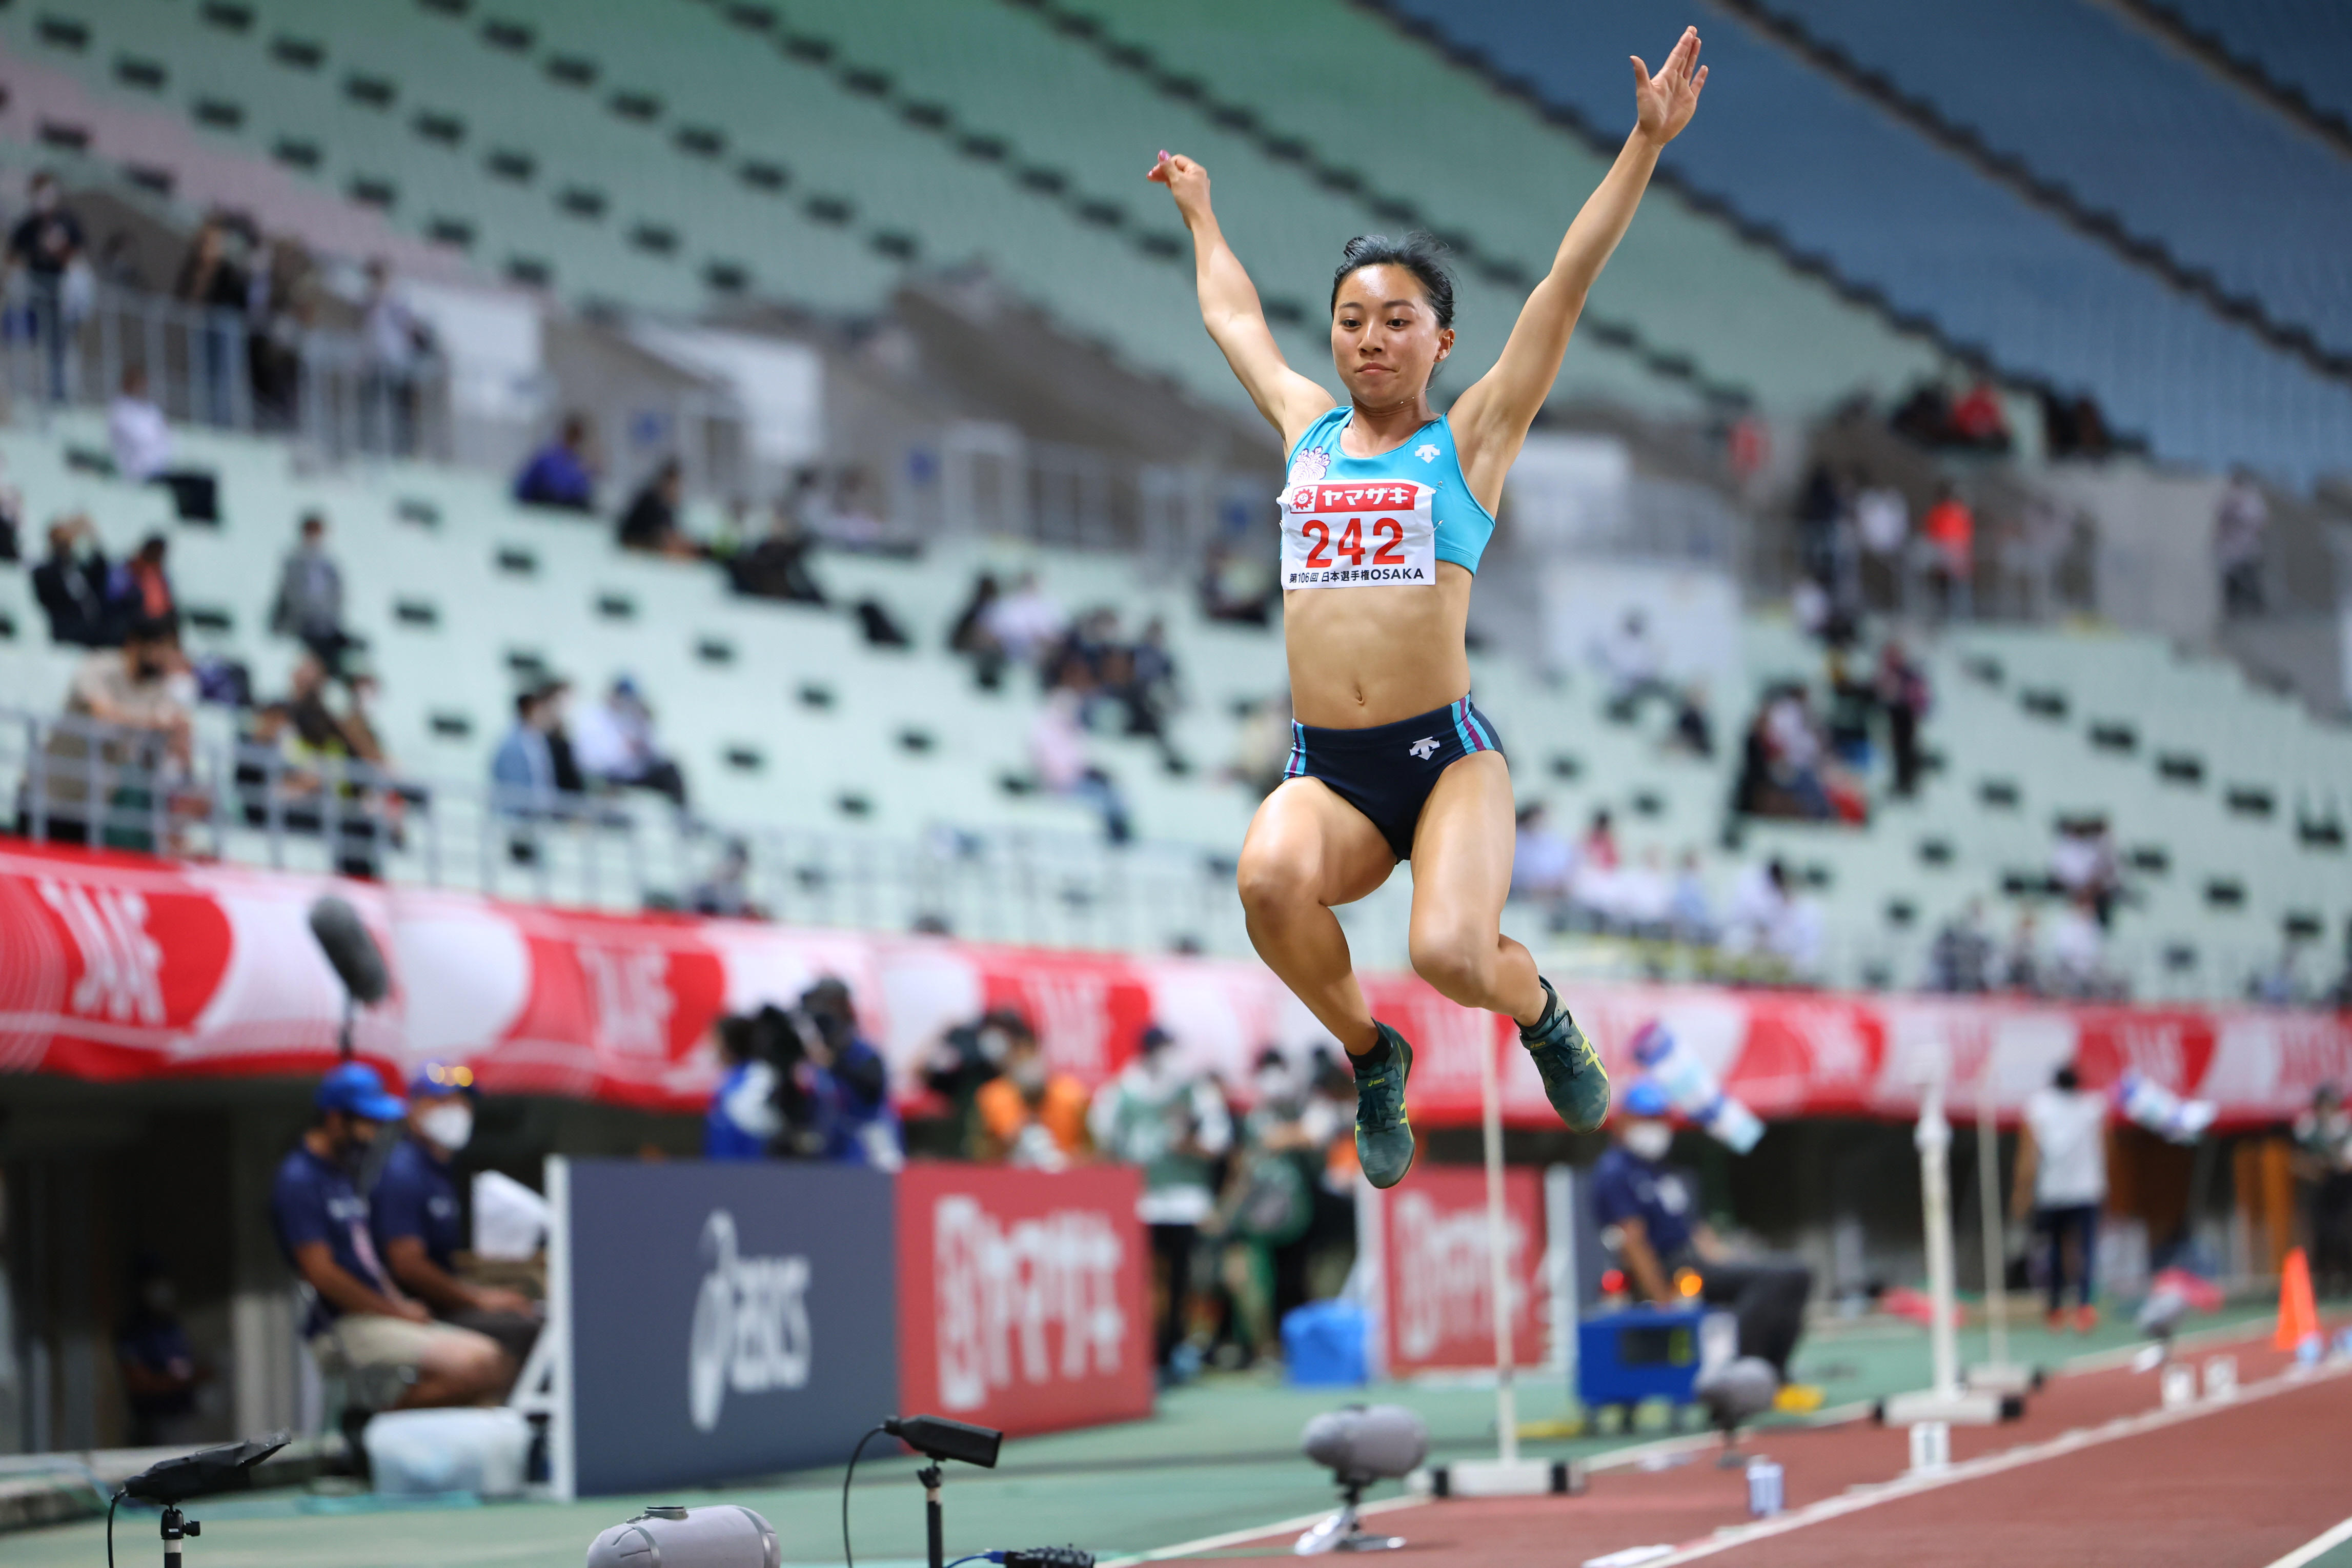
{"x": 2061, "y": 1180}
{"x": 1543, "y": 861}
{"x": 1025, "y": 621}
{"x": 614, "y": 741}
{"x": 140, "y": 439}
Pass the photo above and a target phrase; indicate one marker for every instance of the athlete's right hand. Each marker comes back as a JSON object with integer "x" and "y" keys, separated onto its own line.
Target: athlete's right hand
{"x": 1186, "y": 181}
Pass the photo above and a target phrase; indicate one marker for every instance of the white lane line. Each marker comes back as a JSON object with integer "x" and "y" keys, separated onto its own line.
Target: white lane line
{"x": 2065, "y": 1443}
{"x": 2319, "y": 1545}
{"x": 1255, "y": 1532}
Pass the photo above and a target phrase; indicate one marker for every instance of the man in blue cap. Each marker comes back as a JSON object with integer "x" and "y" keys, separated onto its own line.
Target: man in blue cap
{"x": 1649, "y": 1221}
{"x": 359, "y": 1321}
{"x": 419, "y": 1225}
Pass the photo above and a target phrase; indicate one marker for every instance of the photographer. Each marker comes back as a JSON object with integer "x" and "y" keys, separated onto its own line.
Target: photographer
{"x": 848, "y": 1082}
{"x": 419, "y": 1225}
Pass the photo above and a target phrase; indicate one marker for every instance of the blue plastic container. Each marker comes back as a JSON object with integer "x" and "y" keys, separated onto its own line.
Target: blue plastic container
{"x": 1323, "y": 1345}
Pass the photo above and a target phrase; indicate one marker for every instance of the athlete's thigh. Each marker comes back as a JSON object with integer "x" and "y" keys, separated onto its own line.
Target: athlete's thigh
{"x": 1462, "y": 847}
{"x": 1304, "y": 831}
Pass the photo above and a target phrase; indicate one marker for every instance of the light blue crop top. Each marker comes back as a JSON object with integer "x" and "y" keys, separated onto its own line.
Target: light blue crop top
{"x": 1463, "y": 526}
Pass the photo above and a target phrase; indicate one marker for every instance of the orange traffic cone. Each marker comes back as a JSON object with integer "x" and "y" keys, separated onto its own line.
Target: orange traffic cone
{"x": 2298, "y": 1319}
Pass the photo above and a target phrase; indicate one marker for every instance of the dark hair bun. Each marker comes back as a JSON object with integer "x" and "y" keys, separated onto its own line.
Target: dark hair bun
{"x": 1419, "y": 254}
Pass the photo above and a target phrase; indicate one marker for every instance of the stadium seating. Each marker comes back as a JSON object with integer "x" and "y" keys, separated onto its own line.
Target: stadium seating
{"x": 1787, "y": 146}
{"x": 2130, "y": 125}
{"x": 2306, "y": 45}
{"x": 788, "y": 723}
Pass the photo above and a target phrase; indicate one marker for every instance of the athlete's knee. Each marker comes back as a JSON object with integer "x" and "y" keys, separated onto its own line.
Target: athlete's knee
{"x": 1275, "y": 882}
{"x": 1460, "y": 962}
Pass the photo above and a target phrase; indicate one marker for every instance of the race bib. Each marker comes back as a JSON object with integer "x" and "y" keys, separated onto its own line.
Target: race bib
{"x": 1356, "y": 536}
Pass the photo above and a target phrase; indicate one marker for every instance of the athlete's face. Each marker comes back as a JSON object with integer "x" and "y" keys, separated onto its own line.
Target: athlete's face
{"x": 1385, "y": 339}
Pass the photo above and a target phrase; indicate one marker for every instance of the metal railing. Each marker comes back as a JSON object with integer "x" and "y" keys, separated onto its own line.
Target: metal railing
{"x": 76, "y": 780}
{"x": 221, "y": 369}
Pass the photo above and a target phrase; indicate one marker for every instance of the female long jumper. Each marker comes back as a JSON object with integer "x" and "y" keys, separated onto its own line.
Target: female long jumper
{"x": 1385, "y": 511}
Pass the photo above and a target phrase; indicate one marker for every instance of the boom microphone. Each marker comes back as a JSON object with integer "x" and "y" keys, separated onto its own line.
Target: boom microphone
{"x": 357, "y": 961}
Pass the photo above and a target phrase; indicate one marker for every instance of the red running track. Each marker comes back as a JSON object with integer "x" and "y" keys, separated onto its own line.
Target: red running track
{"x": 2241, "y": 1485}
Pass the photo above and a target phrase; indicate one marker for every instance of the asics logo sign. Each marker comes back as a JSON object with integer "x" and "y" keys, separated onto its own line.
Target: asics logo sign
{"x": 1425, "y": 748}
{"x": 751, "y": 1332}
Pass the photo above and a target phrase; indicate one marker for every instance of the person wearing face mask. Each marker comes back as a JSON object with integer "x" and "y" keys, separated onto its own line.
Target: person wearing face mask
{"x": 1175, "y": 1125}
{"x": 1649, "y": 1221}
{"x": 2322, "y": 1151}
{"x": 133, "y": 708}
{"x": 157, "y": 1367}
{"x": 2061, "y": 1182}
{"x": 1029, "y": 1114}
{"x": 359, "y": 1321}
{"x": 418, "y": 1224}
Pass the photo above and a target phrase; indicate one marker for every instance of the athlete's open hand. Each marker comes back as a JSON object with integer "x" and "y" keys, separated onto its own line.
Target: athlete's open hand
{"x": 1663, "y": 104}
{"x": 1187, "y": 182}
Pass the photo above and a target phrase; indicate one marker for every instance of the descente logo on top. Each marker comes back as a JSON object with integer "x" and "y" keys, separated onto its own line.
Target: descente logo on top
{"x": 751, "y": 1332}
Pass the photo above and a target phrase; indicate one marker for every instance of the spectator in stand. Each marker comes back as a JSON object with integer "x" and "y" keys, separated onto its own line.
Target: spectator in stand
{"x": 2060, "y": 1181}
{"x": 1237, "y": 584}
{"x": 1824, "y": 511}
{"x": 1977, "y": 419}
{"x": 2021, "y": 964}
{"x": 1882, "y": 521}
{"x": 418, "y": 1223}
{"x": 1960, "y": 959}
{"x": 2240, "y": 526}
{"x": 1853, "y": 703}
{"x": 650, "y": 525}
{"x": 399, "y": 346}
{"x": 1902, "y": 695}
{"x": 136, "y": 689}
{"x": 157, "y": 1364}
{"x": 1796, "y": 754}
{"x": 2083, "y": 863}
{"x": 854, "y": 521}
{"x": 1949, "y": 532}
{"x": 360, "y": 1323}
{"x": 309, "y": 602}
{"x": 139, "y": 589}
{"x": 522, "y": 770}
{"x": 1058, "y": 752}
{"x": 1029, "y": 1114}
{"x": 1543, "y": 863}
{"x": 141, "y": 442}
{"x": 1646, "y": 897}
{"x": 1027, "y": 621}
{"x": 561, "y": 474}
{"x": 284, "y": 306}
{"x": 726, "y": 892}
{"x": 2280, "y": 985}
{"x": 1631, "y": 663}
{"x": 45, "y": 243}
{"x": 70, "y": 584}
{"x": 614, "y": 743}
{"x": 1694, "y": 733}
{"x": 2078, "y": 951}
{"x": 214, "y": 286}
{"x": 1693, "y": 918}
{"x": 975, "y": 638}
{"x": 777, "y": 567}
{"x": 1175, "y": 1125}
{"x": 12, "y": 519}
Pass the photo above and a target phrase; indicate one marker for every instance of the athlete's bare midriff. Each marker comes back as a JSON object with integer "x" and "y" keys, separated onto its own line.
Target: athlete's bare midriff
{"x": 1377, "y": 654}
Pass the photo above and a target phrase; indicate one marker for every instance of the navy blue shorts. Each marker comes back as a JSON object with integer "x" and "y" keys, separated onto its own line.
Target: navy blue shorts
{"x": 1386, "y": 771}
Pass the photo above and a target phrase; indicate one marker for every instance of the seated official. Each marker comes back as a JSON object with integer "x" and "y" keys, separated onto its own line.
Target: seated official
{"x": 1647, "y": 1219}
{"x": 360, "y": 1322}
{"x": 419, "y": 1225}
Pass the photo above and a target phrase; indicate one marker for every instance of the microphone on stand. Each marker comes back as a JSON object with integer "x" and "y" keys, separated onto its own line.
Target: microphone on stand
{"x": 352, "y": 952}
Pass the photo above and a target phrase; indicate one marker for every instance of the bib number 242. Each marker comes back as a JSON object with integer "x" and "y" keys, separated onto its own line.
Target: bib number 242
{"x": 1387, "y": 535}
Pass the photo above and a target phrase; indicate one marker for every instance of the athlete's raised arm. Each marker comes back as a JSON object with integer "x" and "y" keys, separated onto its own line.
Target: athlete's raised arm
{"x": 1230, "y": 309}
{"x": 1491, "y": 418}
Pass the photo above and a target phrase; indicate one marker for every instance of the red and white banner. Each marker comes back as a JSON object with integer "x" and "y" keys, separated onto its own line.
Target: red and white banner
{"x": 124, "y": 966}
{"x": 1025, "y": 1297}
{"x": 1437, "y": 1275}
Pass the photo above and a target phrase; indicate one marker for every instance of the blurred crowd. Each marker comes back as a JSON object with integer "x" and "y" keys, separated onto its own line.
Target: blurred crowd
{"x": 1247, "y": 1188}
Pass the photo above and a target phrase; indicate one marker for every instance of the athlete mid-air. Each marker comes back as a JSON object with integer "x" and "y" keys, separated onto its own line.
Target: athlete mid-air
{"x": 1386, "y": 509}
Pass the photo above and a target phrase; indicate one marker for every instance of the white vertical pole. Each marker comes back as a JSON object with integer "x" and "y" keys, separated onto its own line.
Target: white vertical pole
{"x": 545, "y": 1385}
{"x": 1490, "y": 1095}
{"x": 1559, "y": 1247}
{"x": 1996, "y": 1256}
{"x": 1934, "y": 1139}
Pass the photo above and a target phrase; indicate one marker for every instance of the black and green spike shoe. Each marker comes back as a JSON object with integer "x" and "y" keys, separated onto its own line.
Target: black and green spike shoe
{"x": 1573, "y": 1079}
{"x": 1384, "y": 1135}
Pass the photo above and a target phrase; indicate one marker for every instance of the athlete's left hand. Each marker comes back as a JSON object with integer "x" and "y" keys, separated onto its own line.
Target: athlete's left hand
{"x": 1663, "y": 104}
